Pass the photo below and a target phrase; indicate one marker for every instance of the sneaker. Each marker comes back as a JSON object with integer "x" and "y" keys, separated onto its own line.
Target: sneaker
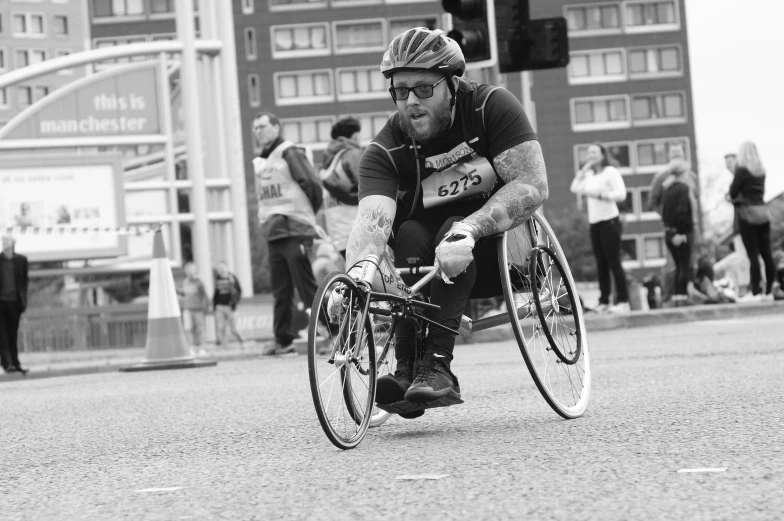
{"x": 601, "y": 308}
{"x": 274, "y": 349}
{"x": 748, "y": 297}
{"x": 391, "y": 388}
{"x": 286, "y": 350}
{"x": 434, "y": 380}
{"x": 620, "y": 308}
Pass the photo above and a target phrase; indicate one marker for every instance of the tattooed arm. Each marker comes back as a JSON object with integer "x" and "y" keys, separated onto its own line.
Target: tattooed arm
{"x": 371, "y": 229}
{"x": 522, "y": 169}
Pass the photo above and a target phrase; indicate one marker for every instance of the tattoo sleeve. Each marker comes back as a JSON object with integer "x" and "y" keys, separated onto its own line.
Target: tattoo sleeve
{"x": 371, "y": 229}
{"x": 522, "y": 169}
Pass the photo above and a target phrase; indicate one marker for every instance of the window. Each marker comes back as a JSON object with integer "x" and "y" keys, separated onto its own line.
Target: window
{"x": 299, "y": 88}
{"x": 60, "y": 26}
{"x": 659, "y": 108}
{"x": 597, "y": 66}
{"x": 619, "y": 153}
{"x": 37, "y": 56}
{"x": 37, "y": 24}
{"x": 161, "y": 6}
{"x": 308, "y": 131}
{"x": 584, "y": 20}
{"x": 25, "y": 96}
{"x": 2, "y": 60}
{"x": 250, "y": 43}
{"x": 300, "y": 40}
{"x": 40, "y": 92}
{"x": 629, "y": 249}
{"x": 28, "y": 25}
{"x": 359, "y": 36}
{"x": 653, "y": 247}
{"x": 104, "y": 8}
{"x": 280, "y": 5}
{"x": 603, "y": 112}
{"x": 3, "y": 98}
{"x": 655, "y": 62}
{"x": 100, "y": 43}
{"x": 400, "y": 25}
{"x": 361, "y": 83}
{"x": 372, "y": 124}
{"x": 22, "y": 58}
{"x": 254, "y": 90}
{"x": 248, "y": 6}
{"x": 653, "y": 154}
{"x": 647, "y": 16}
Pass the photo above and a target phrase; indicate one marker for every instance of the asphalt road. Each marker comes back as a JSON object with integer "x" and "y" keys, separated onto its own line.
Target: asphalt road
{"x": 242, "y": 441}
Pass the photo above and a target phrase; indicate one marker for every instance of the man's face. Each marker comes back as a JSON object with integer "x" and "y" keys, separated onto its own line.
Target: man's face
{"x": 424, "y": 119}
{"x": 8, "y": 244}
{"x": 265, "y": 131}
{"x": 731, "y": 161}
{"x": 676, "y": 152}
{"x": 223, "y": 269}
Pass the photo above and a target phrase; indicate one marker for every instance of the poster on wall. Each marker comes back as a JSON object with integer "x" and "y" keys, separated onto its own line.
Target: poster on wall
{"x": 63, "y": 196}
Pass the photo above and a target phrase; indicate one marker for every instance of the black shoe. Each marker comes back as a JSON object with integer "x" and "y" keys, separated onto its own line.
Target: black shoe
{"x": 19, "y": 369}
{"x": 391, "y": 388}
{"x": 434, "y": 380}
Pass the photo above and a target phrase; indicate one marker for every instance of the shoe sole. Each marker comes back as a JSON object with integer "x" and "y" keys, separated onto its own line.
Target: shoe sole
{"x": 420, "y": 395}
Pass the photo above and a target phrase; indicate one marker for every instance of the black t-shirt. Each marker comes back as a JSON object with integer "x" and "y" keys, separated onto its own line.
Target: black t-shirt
{"x": 388, "y": 167}
{"x": 676, "y": 208}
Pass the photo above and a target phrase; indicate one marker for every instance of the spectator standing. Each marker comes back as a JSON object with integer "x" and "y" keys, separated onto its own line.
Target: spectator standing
{"x": 677, "y": 211}
{"x": 289, "y": 195}
{"x": 731, "y": 161}
{"x": 747, "y": 193}
{"x": 339, "y": 176}
{"x": 603, "y": 185}
{"x": 194, "y": 307}
{"x": 225, "y": 298}
{"x": 13, "y": 302}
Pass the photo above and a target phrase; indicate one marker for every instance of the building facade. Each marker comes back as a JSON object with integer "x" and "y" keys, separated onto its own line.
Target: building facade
{"x": 34, "y": 31}
{"x": 628, "y": 87}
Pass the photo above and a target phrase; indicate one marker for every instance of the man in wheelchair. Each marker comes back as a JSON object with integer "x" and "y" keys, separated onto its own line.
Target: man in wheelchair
{"x": 458, "y": 163}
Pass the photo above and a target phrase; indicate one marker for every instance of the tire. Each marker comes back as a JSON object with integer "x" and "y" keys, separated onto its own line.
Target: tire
{"x": 343, "y": 380}
{"x": 566, "y": 387}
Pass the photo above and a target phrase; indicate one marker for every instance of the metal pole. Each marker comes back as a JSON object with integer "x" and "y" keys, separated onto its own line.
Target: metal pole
{"x": 189, "y": 84}
{"x": 175, "y": 248}
{"x": 232, "y": 136}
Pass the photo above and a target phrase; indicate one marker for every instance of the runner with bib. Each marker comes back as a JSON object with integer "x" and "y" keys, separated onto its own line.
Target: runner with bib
{"x": 456, "y": 165}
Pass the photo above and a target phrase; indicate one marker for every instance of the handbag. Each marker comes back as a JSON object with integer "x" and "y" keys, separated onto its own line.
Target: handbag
{"x": 754, "y": 214}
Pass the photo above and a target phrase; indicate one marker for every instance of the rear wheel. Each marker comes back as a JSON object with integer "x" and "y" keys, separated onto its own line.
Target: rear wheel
{"x": 534, "y": 275}
{"x": 342, "y": 362}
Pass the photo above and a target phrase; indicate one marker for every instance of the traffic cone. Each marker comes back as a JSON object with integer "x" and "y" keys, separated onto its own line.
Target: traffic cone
{"x": 166, "y": 347}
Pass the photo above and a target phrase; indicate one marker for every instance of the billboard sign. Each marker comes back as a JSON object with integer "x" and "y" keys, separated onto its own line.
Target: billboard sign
{"x": 64, "y": 193}
{"x": 117, "y": 102}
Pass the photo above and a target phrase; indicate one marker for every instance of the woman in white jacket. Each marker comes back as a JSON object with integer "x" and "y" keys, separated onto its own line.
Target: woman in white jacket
{"x": 603, "y": 185}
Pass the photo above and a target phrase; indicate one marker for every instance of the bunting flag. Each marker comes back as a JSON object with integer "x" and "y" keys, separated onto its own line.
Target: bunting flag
{"x": 136, "y": 229}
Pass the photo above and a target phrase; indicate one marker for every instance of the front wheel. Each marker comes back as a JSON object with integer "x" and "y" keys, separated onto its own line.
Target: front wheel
{"x": 342, "y": 362}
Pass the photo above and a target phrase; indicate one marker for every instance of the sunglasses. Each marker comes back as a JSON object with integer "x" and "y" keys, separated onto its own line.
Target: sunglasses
{"x": 421, "y": 91}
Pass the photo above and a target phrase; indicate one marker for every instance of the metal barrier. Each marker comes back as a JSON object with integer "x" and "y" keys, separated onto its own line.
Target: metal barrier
{"x": 72, "y": 329}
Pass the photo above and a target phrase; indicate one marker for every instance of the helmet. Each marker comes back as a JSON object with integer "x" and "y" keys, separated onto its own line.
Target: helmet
{"x": 421, "y": 48}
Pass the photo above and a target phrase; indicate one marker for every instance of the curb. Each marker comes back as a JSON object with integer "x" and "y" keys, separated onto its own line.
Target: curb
{"x": 593, "y": 322}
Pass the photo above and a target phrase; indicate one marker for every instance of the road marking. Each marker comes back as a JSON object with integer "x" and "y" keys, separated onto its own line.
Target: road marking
{"x": 421, "y": 476}
{"x": 683, "y": 471}
{"x": 160, "y": 489}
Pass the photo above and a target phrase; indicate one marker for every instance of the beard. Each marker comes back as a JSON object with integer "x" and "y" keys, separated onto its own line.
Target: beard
{"x": 440, "y": 121}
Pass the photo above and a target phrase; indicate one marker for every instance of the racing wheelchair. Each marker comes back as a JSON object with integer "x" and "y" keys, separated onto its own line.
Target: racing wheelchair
{"x": 348, "y": 351}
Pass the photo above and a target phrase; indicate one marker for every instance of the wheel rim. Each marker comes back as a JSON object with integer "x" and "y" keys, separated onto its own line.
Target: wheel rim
{"x": 565, "y": 387}
{"x": 385, "y": 361}
{"x": 342, "y": 384}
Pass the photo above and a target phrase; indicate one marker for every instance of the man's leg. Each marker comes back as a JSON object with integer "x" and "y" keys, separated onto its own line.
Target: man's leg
{"x": 220, "y": 324}
{"x": 231, "y": 318}
{"x": 282, "y": 290}
{"x": 5, "y": 324}
{"x": 301, "y": 271}
{"x": 198, "y": 326}
{"x": 187, "y": 325}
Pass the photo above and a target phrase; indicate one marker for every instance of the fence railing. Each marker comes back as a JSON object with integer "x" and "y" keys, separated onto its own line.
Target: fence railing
{"x": 66, "y": 329}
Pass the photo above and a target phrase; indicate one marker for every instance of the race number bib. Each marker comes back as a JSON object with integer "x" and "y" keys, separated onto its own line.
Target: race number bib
{"x": 460, "y": 181}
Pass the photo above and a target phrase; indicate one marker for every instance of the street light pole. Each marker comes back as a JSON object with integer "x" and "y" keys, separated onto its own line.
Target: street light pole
{"x": 189, "y": 87}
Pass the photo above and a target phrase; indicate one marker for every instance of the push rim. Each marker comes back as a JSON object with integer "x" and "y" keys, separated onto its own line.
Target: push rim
{"x": 565, "y": 387}
{"x": 341, "y": 382}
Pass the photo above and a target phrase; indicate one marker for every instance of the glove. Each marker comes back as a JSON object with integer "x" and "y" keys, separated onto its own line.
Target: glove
{"x": 454, "y": 253}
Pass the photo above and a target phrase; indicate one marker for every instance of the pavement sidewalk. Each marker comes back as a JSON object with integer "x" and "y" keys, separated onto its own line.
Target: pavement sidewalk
{"x": 63, "y": 363}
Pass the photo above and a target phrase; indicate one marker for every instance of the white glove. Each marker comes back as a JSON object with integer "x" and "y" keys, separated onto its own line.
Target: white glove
{"x": 454, "y": 254}
{"x": 335, "y": 305}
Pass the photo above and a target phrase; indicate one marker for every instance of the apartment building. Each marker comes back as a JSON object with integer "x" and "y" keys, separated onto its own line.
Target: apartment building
{"x": 32, "y": 31}
{"x": 627, "y": 86}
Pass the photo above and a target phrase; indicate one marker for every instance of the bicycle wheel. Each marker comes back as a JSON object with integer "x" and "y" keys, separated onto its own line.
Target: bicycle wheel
{"x": 566, "y": 387}
{"x": 341, "y": 363}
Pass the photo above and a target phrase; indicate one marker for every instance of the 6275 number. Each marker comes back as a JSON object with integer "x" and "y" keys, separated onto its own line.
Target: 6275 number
{"x": 444, "y": 190}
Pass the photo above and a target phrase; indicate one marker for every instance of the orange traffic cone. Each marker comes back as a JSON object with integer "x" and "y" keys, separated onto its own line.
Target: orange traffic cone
{"x": 166, "y": 345}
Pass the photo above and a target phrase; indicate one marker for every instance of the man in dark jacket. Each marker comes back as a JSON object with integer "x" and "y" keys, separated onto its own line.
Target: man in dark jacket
{"x": 224, "y": 302}
{"x": 289, "y": 195}
{"x": 13, "y": 302}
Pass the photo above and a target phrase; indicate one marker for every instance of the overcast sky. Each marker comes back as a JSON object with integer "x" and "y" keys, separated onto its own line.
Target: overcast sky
{"x": 737, "y": 51}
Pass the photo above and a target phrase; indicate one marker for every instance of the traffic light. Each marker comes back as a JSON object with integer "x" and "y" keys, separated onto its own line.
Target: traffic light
{"x": 473, "y": 28}
{"x": 525, "y": 44}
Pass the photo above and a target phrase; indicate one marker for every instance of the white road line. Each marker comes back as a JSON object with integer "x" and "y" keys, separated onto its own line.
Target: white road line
{"x": 421, "y": 476}
{"x": 683, "y": 471}
{"x": 159, "y": 489}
